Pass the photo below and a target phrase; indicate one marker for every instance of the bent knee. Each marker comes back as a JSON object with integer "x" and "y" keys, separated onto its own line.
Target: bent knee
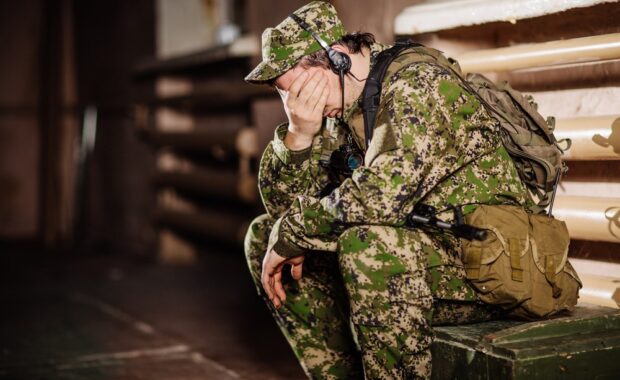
{"x": 256, "y": 240}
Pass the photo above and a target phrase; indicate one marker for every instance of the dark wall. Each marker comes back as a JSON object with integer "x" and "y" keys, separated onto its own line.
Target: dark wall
{"x": 19, "y": 135}
{"x": 112, "y": 36}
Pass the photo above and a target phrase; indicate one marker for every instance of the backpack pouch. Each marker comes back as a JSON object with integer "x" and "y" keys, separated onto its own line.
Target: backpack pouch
{"x": 522, "y": 265}
{"x": 497, "y": 267}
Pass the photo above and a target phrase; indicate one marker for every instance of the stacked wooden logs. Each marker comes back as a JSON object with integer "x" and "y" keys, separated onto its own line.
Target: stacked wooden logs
{"x": 205, "y": 179}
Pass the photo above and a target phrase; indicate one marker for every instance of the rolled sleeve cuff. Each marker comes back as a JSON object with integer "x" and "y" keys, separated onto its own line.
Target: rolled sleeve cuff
{"x": 279, "y": 243}
{"x": 286, "y": 155}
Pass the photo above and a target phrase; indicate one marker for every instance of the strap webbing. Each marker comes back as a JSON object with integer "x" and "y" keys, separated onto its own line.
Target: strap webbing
{"x": 515, "y": 259}
{"x": 371, "y": 95}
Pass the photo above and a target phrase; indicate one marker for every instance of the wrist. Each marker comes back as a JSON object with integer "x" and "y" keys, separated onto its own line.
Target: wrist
{"x": 296, "y": 141}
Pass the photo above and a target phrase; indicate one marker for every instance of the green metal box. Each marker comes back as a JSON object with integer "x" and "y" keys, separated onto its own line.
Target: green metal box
{"x": 583, "y": 345}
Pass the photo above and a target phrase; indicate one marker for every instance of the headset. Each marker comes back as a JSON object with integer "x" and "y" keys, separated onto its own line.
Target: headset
{"x": 339, "y": 62}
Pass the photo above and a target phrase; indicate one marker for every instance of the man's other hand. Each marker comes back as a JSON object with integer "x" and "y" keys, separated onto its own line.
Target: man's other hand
{"x": 304, "y": 104}
{"x": 271, "y": 277}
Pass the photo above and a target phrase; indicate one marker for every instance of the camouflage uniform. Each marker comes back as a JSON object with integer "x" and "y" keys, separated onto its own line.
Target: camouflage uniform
{"x": 372, "y": 288}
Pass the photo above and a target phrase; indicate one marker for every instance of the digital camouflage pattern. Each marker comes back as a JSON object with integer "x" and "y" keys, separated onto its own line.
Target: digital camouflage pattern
{"x": 392, "y": 304}
{"x": 284, "y": 45}
{"x": 433, "y": 142}
{"x": 371, "y": 288}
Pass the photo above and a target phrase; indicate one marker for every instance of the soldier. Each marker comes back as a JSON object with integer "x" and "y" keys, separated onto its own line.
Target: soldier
{"x": 371, "y": 287}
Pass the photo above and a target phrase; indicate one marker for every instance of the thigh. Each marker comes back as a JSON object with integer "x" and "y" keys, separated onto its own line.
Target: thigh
{"x": 384, "y": 270}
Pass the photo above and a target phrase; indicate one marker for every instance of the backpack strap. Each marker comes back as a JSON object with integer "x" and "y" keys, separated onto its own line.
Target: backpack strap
{"x": 371, "y": 95}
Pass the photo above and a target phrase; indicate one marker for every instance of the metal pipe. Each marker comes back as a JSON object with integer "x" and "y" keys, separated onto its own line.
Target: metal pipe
{"x": 589, "y": 218}
{"x": 584, "y": 49}
{"x": 601, "y": 281}
{"x": 598, "y": 290}
{"x": 588, "y": 188}
{"x": 564, "y": 77}
{"x": 593, "y": 138}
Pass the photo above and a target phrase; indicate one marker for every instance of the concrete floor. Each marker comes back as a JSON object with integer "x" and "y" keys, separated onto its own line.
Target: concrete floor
{"x": 115, "y": 317}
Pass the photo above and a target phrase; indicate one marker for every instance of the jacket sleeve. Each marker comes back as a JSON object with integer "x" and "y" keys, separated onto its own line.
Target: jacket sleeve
{"x": 284, "y": 174}
{"x": 418, "y": 140}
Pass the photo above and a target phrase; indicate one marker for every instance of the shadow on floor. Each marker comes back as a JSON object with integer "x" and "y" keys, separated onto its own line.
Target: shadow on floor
{"x": 117, "y": 317}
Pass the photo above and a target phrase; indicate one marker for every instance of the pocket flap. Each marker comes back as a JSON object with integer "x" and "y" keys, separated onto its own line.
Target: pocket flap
{"x": 476, "y": 252}
{"x": 550, "y": 240}
{"x": 508, "y": 225}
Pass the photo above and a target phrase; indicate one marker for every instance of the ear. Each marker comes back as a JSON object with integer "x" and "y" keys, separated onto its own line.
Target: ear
{"x": 340, "y": 48}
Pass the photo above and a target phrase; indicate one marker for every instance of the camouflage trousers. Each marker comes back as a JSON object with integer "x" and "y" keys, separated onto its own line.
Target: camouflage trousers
{"x": 367, "y": 311}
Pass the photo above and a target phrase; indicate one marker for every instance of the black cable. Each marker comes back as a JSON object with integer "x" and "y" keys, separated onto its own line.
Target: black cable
{"x": 356, "y": 78}
{"x": 342, "y": 94}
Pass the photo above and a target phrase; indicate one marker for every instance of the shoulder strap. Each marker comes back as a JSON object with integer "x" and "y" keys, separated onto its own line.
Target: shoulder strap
{"x": 371, "y": 95}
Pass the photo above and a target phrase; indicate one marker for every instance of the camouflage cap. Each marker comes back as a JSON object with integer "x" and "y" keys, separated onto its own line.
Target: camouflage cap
{"x": 287, "y": 43}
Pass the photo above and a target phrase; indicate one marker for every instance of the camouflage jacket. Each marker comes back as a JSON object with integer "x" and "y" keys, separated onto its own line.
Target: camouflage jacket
{"x": 433, "y": 142}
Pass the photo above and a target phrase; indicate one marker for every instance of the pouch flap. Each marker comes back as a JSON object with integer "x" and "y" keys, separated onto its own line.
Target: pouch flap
{"x": 508, "y": 224}
{"x": 476, "y": 253}
{"x": 550, "y": 240}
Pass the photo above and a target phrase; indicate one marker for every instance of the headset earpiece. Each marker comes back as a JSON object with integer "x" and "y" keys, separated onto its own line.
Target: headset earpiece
{"x": 339, "y": 61}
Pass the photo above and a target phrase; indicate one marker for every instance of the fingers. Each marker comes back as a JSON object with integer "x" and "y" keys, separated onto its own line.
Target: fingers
{"x": 322, "y": 101}
{"x": 313, "y": 97}
{"x": 272, "y": 283}
{"x": 271, "y": 275}
{"x": 311, "y": 90}
{"x": 265, "y": 280}
{"x": 296, "y": 270}
{"x": 298, "y": 84}
{"x": 279, "y": 289}
{"x": 271, "y": 278}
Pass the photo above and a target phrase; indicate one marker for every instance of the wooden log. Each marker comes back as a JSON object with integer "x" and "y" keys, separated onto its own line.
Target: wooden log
{"x": 210, "y": 183}
{"x": 589, "y": 218}
{"x": 243, "y": 140}
{"x": 218, "y": 225}
{"x": 585, "y": 49}
{"x": 173, "y": 249}
{"x": 214, "y": 97}
{"x": 223, "y": 184}
{"x": 193, "y": 62}
{"x": 593, "y": 138}
{"x": 194, "y": 140}
{"x": 246, "y": 142}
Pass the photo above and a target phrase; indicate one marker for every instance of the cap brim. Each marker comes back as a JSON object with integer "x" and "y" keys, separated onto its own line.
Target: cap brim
{"x": 266, "y": 71}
